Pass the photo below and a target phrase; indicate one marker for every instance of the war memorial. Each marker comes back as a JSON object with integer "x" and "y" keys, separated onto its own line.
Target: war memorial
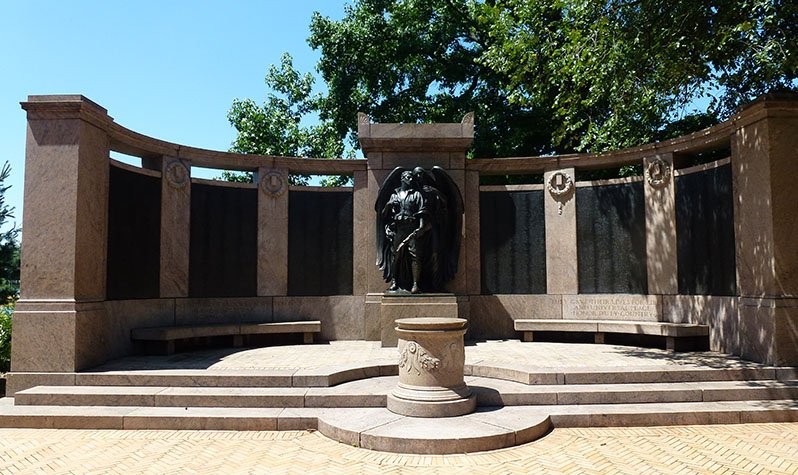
{"x": 422, "y": 310}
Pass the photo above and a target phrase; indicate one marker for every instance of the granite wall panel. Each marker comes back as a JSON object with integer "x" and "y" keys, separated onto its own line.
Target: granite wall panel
{"x": 320, "y": 243}
{"x": 513, "y": 242}
{"x": 224, "y": 241}
{"x": 611, "y": 239}
{"x": 134, "y": 233}
{"x": 705, "y": 233}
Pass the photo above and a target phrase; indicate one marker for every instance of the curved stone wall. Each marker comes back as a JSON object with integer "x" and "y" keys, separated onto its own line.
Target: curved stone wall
{"x": 93, "y": 269}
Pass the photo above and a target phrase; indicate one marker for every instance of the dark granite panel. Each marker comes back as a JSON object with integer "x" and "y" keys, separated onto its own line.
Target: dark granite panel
{"x": 224, "y": 241}
{"x": 705, "y": 232}
{"x": 134, "y": 227}
{"x": 512, "y": 242}
{"x": 320, "y": 243}
{"x": 611, "y": 239}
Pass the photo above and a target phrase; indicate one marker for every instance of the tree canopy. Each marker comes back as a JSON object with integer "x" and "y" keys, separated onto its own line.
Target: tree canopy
{"x": 552, "y": 76}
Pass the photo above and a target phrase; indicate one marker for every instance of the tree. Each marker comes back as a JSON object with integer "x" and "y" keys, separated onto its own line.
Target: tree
{"x": 552, "y": 76}
{"x": 418, "y": 61}
{"x": 9, "y": 247}
{"x": 617, "y": 71}
{"x": 276, "y": 128}
{"x": 9, "y": 272}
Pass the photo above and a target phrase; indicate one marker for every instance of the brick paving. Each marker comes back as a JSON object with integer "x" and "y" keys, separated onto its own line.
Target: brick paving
{"x": 736, "y": 449}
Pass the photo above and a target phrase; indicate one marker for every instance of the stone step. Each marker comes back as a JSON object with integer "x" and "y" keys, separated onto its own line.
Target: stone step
{"x": 491, "y": 392}
{"x": 338, "y": 374}
{"x": 379, "y": 429}
{"x": 372, "y": 393}
{"x": 617, "y": 375}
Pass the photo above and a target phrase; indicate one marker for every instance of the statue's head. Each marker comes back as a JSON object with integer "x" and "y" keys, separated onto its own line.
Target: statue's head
{"x": 418, "y": 176}
{"x": 407, "y": 178}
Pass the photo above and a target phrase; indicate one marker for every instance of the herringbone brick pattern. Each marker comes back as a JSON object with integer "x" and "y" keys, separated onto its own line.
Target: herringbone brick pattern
{"x": 737, "y": 449}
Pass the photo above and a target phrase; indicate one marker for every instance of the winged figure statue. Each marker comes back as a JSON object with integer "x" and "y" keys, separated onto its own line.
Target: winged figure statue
{"x": 419, "y": 221}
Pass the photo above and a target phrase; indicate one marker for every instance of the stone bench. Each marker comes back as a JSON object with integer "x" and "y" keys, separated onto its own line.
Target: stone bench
{"x": 675, "y": 334}
{"x": 168, "y": 335}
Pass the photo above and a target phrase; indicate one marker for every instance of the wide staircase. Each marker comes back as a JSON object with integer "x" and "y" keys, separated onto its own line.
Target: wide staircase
{"x": 516, "y": 403}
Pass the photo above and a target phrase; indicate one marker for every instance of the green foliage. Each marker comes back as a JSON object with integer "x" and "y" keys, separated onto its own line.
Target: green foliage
{"x": 6, "y": 311}
{"x": 542, "y": 77}
{"x": 9, "y": 247}
{"x": 419, "y": 61}
{"x": 276, "y": 128}
{"x": 236, "y": 177}
{"x": 614, "y": 73}
{"x": 301, "y": 180}
{"x": 9, "y": 272}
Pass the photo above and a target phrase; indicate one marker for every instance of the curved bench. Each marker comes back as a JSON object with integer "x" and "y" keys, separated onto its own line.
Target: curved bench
{"x": 675, "y": 334}
{"x": 168, "y": 335}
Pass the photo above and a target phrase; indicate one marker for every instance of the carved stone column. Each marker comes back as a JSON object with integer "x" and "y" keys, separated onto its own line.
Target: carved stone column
{"x": 175, "y": 226}
{"x": 562, "y": 276}
{"x": 272, "y": 231}
{"x": 661, "y": 260}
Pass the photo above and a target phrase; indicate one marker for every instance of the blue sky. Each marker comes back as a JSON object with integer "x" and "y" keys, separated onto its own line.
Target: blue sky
{"x": 169, "y": 69}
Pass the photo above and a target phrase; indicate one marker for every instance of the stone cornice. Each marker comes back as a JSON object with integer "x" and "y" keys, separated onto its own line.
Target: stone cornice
{"x": 67, "y": 107}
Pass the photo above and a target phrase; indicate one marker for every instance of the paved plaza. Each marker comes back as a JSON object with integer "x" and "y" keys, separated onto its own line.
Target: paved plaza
{"x": 734, "y": 449}
{"x": 539, "y": 356}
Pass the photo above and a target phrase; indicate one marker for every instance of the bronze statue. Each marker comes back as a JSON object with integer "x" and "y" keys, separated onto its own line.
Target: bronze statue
{"x": 419, "y": 217}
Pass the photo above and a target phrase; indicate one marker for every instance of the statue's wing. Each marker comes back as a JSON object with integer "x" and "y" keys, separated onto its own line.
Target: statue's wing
{"x": 451, "y": 223}
{"x": 391, "y": 182}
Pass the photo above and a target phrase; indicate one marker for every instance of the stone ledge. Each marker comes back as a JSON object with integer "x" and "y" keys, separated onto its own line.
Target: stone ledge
{"x": 168, "y": 335}
{"x": 374, "y": 392}
{"x": 193, "y": 331}
{"x": 638, "y": 328}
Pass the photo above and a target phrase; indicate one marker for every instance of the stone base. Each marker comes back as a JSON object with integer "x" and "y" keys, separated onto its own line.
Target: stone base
{"x": 447, "y": 408}
{"x": 406, "y": 305}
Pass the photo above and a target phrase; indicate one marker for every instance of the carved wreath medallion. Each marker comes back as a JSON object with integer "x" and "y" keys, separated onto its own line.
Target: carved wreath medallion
{"x": 273, "y": 183}
{"x": 560, "y": 184}
{"x": 415, "y": 358}
{"x": 177, "y": 175}
{"x": 658, "y": 173}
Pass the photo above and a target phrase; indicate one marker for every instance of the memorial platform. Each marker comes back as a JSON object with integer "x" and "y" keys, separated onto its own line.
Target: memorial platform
{"x": 523, "y": 391}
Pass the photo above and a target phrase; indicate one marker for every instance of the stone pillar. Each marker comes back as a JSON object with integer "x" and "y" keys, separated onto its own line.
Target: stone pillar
{"x": 562, "y": 276}
{"x": 661, "y": 259}
{"x": 363, "y": 219}
{"x": 59, "y": 323}
{"x": 272, "y": 231}
{"x": 175, "y": 226}
{"x": 473, "y": 268}
{"x": 764, "y": 168}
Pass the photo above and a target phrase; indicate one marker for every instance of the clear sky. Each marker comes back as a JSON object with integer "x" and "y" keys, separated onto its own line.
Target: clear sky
{"x": 169, "y": 69}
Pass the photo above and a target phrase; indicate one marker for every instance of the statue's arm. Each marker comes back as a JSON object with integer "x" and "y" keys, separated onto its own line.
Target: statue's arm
{"x": 424, "y": 225}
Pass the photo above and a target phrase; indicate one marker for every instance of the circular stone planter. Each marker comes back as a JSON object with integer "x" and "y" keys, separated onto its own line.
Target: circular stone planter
{"x": 431, "y": 361}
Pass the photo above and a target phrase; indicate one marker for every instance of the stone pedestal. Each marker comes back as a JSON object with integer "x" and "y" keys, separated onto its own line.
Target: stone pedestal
{"x": 431, "y": 361}
{"x": 405, "y": 305}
